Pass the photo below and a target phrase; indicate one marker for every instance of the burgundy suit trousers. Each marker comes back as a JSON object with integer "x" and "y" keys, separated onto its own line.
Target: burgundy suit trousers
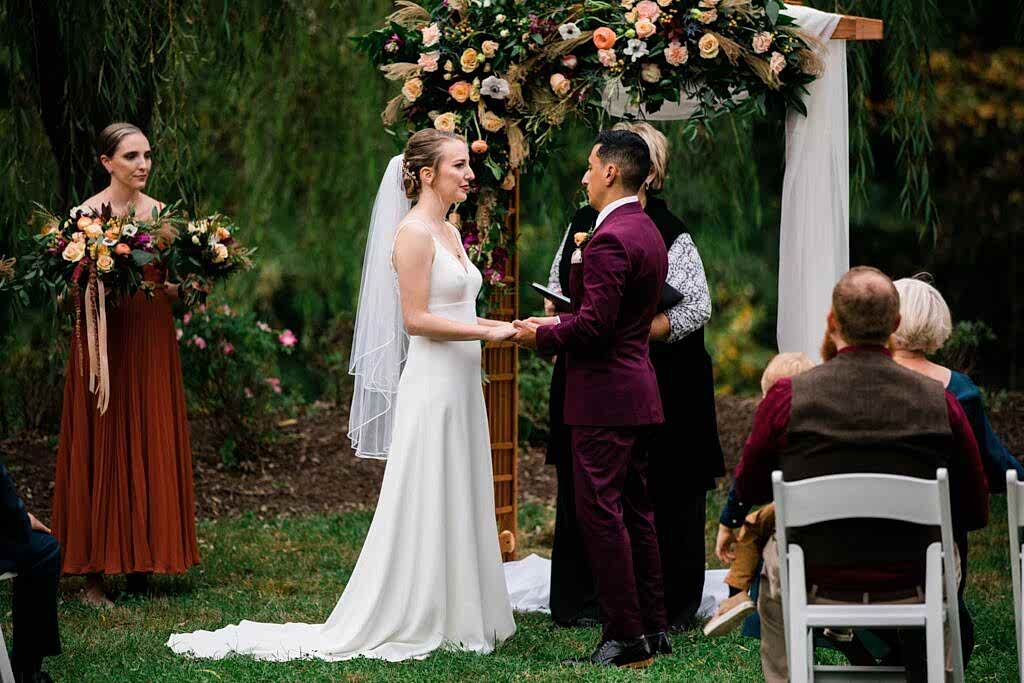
{"x": 617, "y": 520}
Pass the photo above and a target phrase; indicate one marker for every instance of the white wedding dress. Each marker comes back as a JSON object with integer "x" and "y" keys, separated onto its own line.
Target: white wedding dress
{"x": 430, "y": 572}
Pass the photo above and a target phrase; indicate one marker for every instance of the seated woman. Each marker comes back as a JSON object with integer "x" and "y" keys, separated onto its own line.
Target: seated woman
{"x": 925, "y": 325}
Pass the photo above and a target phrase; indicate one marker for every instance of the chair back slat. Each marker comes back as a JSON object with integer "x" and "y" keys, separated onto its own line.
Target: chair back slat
{"x": 869, "y": 496}
{"x": 1015, "y": 516}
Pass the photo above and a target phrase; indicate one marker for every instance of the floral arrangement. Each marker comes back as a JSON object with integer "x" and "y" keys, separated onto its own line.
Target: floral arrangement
{"x": 232, "y": 375}
{"x": 90, "y": 247}
{"x": 204, "y": 252}
{"x": 507, "y": 73}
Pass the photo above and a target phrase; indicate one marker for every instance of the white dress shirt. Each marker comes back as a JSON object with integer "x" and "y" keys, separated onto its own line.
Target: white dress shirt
{"x": 611, "y": 207}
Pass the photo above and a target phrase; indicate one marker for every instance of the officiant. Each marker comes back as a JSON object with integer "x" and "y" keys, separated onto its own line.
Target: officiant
{"x": 685, "y": 455}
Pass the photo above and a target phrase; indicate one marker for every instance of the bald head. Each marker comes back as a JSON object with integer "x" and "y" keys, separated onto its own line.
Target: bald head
{"x": 866, "y": 306}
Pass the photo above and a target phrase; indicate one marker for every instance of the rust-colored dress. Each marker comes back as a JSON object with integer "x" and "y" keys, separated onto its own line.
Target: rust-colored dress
{"x": 123, "y": 500}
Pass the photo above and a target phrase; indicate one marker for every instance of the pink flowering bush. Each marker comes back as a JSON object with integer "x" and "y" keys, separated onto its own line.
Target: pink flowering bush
{"x": 230, "y": 365}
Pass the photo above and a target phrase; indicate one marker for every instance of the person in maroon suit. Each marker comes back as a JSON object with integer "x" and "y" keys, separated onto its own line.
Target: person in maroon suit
{"x": 612, "y": 397}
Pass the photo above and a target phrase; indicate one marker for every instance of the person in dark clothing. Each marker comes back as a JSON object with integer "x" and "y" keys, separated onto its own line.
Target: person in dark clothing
{"x": 684, "y": 453}
{"x": 28, "y": 549}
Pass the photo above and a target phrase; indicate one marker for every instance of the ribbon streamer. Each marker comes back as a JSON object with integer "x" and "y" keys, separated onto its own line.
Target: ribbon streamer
{"x": 96, "y": 335}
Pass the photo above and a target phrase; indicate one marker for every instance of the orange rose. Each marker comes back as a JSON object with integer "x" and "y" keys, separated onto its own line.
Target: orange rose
{"x": 460, "y": 91}
{"x": 604, "y": 38}
{"x": 479, "y": 147}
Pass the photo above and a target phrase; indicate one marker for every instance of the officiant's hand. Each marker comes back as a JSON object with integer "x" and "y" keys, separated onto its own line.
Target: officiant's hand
{"x": 660, "y": 328}
{"x": 526, "y": 334}
{"x": 549, "y": 307}
{"x": 725, "y": 544}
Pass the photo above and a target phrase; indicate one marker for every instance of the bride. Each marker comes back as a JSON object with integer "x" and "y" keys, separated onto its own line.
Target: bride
{"x": 429, "y": 574}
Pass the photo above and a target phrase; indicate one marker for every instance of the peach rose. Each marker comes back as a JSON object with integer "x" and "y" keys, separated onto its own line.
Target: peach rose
{"x": 664, "y": 3}
{"x": 223, "y": 233}
{"x": 777, "y": 63}
{"x": 650, "y": 72}
{"x": 708, "y": 46}
{"x": 105, "y": 263}
{"x": 647, "y": 9}
{"x": 431, "y": 34}
{"x": 446, "y": 122}
{"x": 83, "y": 222}
{"x": 74, "y": 252}
{"x": 489, "y": 48}
{"x": 78, "y": 237}
{"x": 762, "y": 42}
{"x": 468, "y": 60}
{"x": 491, "y": 122}
{"x": 93, "y": 230}
{"x": 509, "y": 182}
{"x": 631, "y": 16}
{"x": 479, "y": 147}
{"x": 220, "y": 253}
{"x": 460, "y": 91}
{"x": 707, "y": 4}
{"x": 112, "y": 233}
{"x": 560, "y": 85}
{"x": 604, "y": 38}
{"x": 676, "y": 53}
{"x": 122, "y": 249}
{"x": 645, "y": 28}
{"x": 412, "y": 89}
{"x": 707, "y": 16}
{"x": 428, "y": 61}
{"x": 606, "y": 57}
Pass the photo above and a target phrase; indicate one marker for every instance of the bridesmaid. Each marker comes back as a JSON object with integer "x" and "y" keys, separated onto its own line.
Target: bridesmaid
{"x": 123, "y": 500}
{"x": 685, "y": 456}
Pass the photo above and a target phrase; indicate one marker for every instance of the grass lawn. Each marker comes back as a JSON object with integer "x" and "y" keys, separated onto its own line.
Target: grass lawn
{"x": 294, "y": 570}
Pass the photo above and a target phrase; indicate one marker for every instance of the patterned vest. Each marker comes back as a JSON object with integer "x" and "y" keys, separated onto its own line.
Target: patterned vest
{"x": 862, "y": 412}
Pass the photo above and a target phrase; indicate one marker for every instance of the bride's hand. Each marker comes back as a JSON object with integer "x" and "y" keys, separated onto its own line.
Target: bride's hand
{"x": 500, "y": 332}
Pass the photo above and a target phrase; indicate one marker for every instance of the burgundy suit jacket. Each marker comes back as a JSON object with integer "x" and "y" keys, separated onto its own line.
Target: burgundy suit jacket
{"x": 610, "y": 381}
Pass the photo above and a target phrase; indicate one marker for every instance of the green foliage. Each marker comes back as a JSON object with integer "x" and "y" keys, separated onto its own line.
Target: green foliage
{"x": 961, "y": 349}
{"x": 534, "y": 388}
{"x": 230, "y": 365}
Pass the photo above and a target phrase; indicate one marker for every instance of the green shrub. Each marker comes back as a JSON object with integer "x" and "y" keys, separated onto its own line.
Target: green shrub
{"x": 534, "y": 387}
{"x": 960, "y": 352}
{"x": 230, "y": 366}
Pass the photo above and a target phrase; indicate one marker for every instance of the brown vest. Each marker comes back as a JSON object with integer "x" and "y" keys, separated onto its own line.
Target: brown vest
{"x": 862, "y": 412}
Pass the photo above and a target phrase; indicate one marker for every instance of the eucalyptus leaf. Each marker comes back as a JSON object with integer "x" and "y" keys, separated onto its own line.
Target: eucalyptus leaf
{"x": 141, "y": 257}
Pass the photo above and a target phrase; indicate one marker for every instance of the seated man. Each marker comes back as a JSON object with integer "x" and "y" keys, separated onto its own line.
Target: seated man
{"x": 857, "y": 412}
{"x": 26, "y": 547}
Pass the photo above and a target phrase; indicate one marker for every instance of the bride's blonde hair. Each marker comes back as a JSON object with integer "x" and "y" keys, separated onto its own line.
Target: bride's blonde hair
{"x": 423, "y": 150}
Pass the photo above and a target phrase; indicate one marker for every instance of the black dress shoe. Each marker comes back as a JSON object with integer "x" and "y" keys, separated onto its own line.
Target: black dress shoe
{"x": 632, "y": 654}
{"x": 659, "y": 643}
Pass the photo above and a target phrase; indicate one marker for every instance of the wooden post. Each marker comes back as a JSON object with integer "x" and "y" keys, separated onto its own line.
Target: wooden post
{"x": 501, "y": 391}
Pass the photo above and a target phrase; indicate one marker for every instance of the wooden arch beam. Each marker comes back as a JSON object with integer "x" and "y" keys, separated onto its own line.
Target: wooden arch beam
{"x": 854, "y": 28}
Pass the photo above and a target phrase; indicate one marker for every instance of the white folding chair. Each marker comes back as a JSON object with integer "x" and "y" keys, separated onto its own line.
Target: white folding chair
{"x": 874, "y": 496}
{"x": 6, "y": 672}
{"x": 1015, "y": 512}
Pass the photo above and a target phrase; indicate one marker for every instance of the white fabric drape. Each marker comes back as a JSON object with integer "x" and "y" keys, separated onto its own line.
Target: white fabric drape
{"x": 814, "y": 246}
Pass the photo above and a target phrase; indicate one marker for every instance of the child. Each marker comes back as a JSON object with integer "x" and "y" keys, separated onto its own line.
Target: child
{"x": 757, "y": 528}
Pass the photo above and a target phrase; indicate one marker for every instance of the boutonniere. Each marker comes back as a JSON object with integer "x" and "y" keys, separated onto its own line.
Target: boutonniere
{"x": 580, "y": 238}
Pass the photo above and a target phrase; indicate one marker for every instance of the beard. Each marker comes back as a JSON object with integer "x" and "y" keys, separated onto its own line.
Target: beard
{"x": 828, "y": 346}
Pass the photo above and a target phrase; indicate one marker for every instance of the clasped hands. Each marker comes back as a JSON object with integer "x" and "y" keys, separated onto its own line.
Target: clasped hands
{"x": 524, "y": 332}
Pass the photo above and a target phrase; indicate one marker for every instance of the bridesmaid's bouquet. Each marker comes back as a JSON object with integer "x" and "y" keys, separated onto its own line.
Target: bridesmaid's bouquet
{"x": 205, "y": 252}
{"x": 95, "y": 249}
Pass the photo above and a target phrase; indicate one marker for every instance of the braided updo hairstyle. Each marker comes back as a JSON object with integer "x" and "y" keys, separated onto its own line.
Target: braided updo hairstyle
{"x": 423, "y": 150}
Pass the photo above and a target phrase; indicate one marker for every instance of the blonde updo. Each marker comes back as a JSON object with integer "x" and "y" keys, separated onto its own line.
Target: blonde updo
{"x": 111, "y": 136}
{"x": 423, "y": 150}
{"x": 657, "y": 143}
{"x": 925, "y": 321}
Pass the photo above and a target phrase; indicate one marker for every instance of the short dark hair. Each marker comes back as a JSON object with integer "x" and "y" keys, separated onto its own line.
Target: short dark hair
{"x": 629, "y": 153}
{"x": 866, "y": 306}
